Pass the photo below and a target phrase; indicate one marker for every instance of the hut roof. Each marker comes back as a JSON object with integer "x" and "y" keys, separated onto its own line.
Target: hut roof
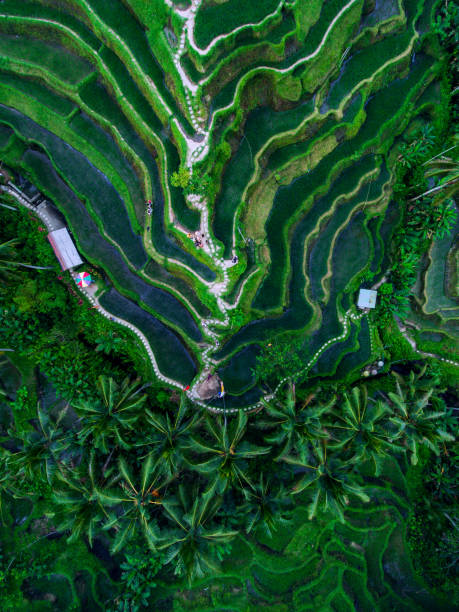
{"x": 367, "y": 298}
{"x": 64, "y": 248}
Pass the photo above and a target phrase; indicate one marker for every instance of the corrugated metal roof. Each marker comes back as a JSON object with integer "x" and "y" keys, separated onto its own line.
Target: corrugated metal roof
{"x": 64, "y": 248}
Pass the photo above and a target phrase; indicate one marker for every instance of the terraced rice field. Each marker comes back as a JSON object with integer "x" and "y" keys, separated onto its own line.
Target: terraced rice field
{"x": 291, "y": 108}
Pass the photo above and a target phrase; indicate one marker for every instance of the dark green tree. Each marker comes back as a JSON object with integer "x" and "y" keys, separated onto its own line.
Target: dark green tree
{"x": 329, "y": 479}
{"x": 8, "y": 263}
{"x": 268, "y": 506}
{"x": 170, "y": 436}
{"x": 194, "y": 542}
{"x": 132, "y": 503}
{"x": 41, "y": 449}
{"x": 226, "y": 454}
{"x": 293, "y": 426}
{"x": 78, "y": 506}
{"x": 362, "y": 429}
{"x": 418, "y": 413}
{"x": 106, "y": 421}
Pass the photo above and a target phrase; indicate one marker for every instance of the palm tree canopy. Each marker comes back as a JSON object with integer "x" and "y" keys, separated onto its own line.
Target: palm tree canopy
{"x": 171, "y": 436}
{"x": 134, "y": 499}
{"x": 79, "y": 508}
{"x": 267, "y": 506}
{"x": 418, "y": 410}
{"x": 41, "y": 448}
{"x": 362, "y": 428}
{"x": 293, "y": 426}
{"x": 193, "y": 539}
{"x": 110, "y": 418}
{"x": 329, "y": 478}
{"x": 228, "y": 455}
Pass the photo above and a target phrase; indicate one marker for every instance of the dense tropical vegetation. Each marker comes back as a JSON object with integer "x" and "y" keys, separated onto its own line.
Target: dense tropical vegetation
{"x": 336, "y": 488}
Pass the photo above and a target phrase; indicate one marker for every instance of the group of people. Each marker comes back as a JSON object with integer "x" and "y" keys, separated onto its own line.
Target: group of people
{"x": 149, "y": 207}
{"x": 197, "y": 239}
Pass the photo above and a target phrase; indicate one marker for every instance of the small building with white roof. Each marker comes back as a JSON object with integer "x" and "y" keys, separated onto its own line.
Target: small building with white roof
{"x": 367, "y": 298}
{"x": 64, "y": 249}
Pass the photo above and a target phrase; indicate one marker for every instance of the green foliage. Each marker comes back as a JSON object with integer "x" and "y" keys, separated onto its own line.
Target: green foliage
{"x": 330, "y": 480}
{"x": 292, "y": 428}
{"x": 433, "y": 524}
{"x": 118, "y": 464}
{"x": 267, "y": 507}
{"x": 181, "y": 178}
{"x": 107, "y": 419}
{"x": 362, "y": 428}
{"x": 279, "y": 359}
{"x": 412, "y": 153}
{"x": 132, "y": 503}
{"x": 18, "y": 329}
{"x": 226, "y": 453}
{"x": 22, "y": 401}
{"x": 194, "y": 542}
{"x": 30, "y": 296}
{"x": 40, "y": 449}
{"x": 170, "y": 436}
{"x": 67, "y": 367}
{"x": 139, "y": 570}
{"x": 237, "y": 317}
{"x": 109, "y": 343}
{"x": 199, "y": 183}
{"x": 446, "y": 24}
{"x": 418, "y": 413}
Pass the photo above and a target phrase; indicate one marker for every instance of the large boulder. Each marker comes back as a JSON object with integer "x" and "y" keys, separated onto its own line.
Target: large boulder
{"x": 209, "y": 387}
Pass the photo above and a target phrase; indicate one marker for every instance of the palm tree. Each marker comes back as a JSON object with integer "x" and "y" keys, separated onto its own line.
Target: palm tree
{"x": 416, "y": 422}
{"x": 329, "y": 477}
{"x": 267, "y": 506}
{"x": 7, "y": 480}
{"x": 8, "y": 263}
{"x": 110, "y": 418}
{"x": 294, "y": 427}
{"x": 134, "y": 503}
{"x": 446, "y": 170}
{"x": 41, "y": 449}
{"x": 193, "y": 542}
{"x": 79, "y": 508}
{"x": 227, "y": 459}
{"x": 363, "y": 428}
{"x": 170, "y": 436}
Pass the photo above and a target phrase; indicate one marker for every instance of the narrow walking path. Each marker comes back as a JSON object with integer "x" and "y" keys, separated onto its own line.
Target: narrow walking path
{"x": 52, "y": 220}
{"x": 412, "y": 342}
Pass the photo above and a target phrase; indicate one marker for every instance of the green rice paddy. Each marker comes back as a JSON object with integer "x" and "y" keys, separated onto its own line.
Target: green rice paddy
{"x": 292, "y": 111}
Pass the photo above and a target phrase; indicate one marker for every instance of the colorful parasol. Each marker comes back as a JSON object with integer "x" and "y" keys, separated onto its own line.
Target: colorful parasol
{"x": 83, "y": 279}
